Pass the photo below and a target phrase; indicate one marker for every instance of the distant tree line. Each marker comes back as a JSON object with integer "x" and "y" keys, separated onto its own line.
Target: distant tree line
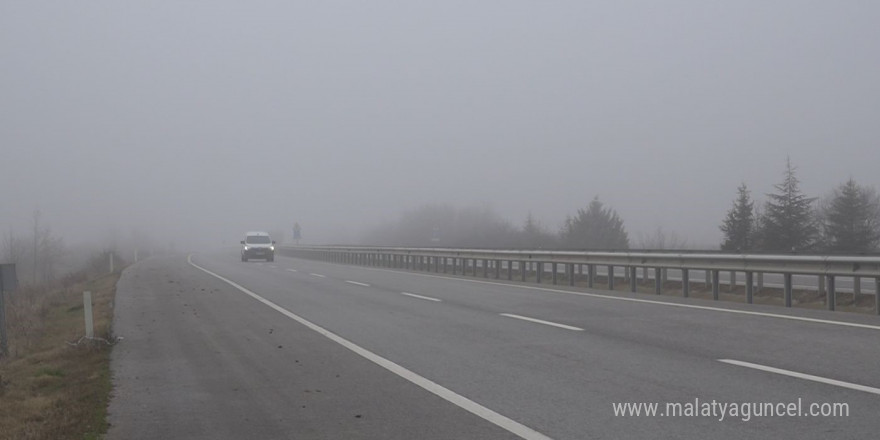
{"x": 594, "y": 227}
{"x": 845, "y": 220}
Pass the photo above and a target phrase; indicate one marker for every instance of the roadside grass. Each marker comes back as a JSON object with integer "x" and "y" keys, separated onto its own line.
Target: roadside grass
{"x": 50, "y": 386}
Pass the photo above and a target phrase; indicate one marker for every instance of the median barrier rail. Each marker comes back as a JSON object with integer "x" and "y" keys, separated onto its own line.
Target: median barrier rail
{"x": 530, "y": 263}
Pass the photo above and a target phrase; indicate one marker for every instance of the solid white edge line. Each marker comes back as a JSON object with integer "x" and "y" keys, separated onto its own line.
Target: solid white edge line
{"x": 820, "y": 379}
{"x": 291, "y": 270}
{"x": 427, "y": 298}
{"x": 541, "y": 321}
{"x": 317, "y": 275}
{"x": 357, "y": 283}
{"x": 645, "y": 301}
{"x": 462, "y": 402}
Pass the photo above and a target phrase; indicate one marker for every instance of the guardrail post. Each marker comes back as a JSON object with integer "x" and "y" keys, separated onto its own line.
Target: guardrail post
{"x": 610, "y": 277}
{"x": 857, "y": 289}
{"x": 497, "y": 269}
{"x": 658, "y": 281}
{"x": 509, "y": 270}
{"x": 750, "y": 288}
{"x": 570, "y": 270}
{"x": 787, "y": 292}
{"x": 539, "y": 271}
{"x": 485, "y": 268}
{"x": 522, "y": 270}
{"x": 685, "y": 283}
{"x": 591, "y": 273}
{"x": 715, "y": 284}
{"x": 554, "y": 268}
{"x": 633, "y": 279}
{"x": 831, "y": 297}
{"x": 877, "y": 296}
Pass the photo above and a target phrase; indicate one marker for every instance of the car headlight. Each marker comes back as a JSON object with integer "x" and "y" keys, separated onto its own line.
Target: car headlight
{"x": 245, "y": 248}
{"x": 272, "y": 248}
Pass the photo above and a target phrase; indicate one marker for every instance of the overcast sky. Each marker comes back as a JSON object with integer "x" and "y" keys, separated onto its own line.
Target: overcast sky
{"x": 206, "y": 119}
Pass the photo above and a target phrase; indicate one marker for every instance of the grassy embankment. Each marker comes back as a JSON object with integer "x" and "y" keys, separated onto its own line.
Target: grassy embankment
{"x": 50, "y": 386}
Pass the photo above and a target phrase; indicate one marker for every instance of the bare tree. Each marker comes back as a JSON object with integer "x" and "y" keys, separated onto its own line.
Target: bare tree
{"x": 661, "y": 239}
{"x": 36, "y": 236}
{"x": 46, "y": 252}
{"x": 14, "y": 248}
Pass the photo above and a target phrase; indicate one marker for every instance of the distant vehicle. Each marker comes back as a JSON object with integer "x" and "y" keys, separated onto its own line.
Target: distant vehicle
{"x": 257, "y": 244}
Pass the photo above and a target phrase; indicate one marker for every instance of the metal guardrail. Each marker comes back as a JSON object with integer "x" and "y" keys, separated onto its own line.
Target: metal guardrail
{"x": 827, "y": 268}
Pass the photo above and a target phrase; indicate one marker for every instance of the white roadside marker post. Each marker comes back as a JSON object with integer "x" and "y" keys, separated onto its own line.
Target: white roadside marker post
{"x": 87, "y": 308}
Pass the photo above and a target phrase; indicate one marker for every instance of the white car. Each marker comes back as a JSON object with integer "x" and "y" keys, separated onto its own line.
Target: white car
{"x": 257, "y": 244}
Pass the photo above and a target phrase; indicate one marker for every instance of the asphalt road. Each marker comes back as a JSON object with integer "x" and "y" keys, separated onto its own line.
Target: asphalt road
{"x": 302, "y": 349}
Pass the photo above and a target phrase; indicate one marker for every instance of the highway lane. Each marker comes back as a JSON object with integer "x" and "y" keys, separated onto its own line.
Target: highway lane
{"x": 462, "y": 334}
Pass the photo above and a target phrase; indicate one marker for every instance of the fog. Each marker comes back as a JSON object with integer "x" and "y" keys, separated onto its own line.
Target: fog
{"x": 193, "y": 122}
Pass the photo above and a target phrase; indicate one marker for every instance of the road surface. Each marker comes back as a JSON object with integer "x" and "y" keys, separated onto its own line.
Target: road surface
{"x": 299, "y": 349}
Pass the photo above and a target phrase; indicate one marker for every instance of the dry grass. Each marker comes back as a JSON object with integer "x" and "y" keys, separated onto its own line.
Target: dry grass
{"x": 50, "y": 389}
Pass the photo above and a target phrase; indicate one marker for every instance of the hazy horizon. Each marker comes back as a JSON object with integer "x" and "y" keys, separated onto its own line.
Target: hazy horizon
{"x": 194, "y": 122}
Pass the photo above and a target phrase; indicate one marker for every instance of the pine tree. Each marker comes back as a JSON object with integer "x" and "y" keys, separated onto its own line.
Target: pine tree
{"x": 788, "y": 223}
{"x": 739, "y": 225}
{"x": 852, "y": 218}
{"x": 597, "y": 227}
{"x": 534, "y": 235}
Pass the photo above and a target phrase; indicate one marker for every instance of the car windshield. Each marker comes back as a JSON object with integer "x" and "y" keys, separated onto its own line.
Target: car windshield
{"x": 258, "y": 239}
